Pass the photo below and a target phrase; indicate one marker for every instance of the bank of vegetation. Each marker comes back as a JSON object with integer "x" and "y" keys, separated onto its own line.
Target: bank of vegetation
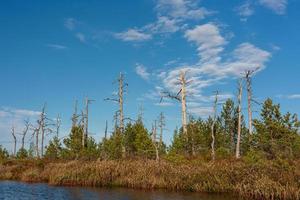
{"x": 268, "y": 166}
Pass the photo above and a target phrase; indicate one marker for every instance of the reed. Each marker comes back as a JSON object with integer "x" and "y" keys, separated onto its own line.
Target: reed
{"x": 264, "y": 180}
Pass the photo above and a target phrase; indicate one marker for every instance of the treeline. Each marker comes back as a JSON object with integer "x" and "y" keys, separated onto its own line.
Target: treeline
{"x": 275, "y": 136}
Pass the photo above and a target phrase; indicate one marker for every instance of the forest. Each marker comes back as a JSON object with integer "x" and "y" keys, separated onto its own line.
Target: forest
{"x": 224, "y": 153}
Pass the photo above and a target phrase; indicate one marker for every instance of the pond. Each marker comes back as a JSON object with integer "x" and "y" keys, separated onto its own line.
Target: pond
{"x": 11, "y": 190}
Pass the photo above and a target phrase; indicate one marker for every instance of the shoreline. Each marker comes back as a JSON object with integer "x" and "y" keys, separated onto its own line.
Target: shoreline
{"x": 255, "y": 181}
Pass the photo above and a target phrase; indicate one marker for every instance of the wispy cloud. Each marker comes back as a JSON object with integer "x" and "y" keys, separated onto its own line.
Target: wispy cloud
{"x": 213, "y": 67}
{"x": 133, "y": 35}
{"x": 141, "y": 70}
{"x": 81, "y": 37}
{"x": 70, "y": 23}
{"x": 290, "y": 96}
{"x": 246, "y": 9}
{"x": 172, "y": 16}
{"x": 181, "y": 9}
{"x": 56, "y": 46}
{"x": 278, "y": 6}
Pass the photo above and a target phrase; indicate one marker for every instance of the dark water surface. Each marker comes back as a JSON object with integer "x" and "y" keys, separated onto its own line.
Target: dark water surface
{"x": 11, "y": 190}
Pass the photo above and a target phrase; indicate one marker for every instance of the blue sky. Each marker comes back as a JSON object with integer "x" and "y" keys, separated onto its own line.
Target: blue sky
{"x": 59, "y": 51}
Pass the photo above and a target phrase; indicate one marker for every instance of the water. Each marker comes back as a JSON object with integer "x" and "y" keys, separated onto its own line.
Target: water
{"x": 10, "y": 190}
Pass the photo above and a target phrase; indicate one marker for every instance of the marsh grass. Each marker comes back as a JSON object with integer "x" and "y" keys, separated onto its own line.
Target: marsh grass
{"x": 279, "y": 179}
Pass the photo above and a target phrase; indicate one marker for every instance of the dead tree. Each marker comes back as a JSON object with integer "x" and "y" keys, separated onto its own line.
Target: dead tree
{"x": 15, "y": 140}
{"x": 75, "y": 116}
{"x": 141, "y": 113}
{"x": 248, "y": 78}
{"x": 120, "y": 100}
{"x": 36, "y": 132}
{"x": 24, "y": 132}
{"x": 240, "y": 89}
{"x": 105, "y": 133}
{"x": 58, "y": 124}
{"x": 213, "y": 154}
{"x": 154, "y": 140}
{"x": 44, "y": 126}
{"x": 161, "y": 125}
{"x": 86, "y": 122}
{"x": 42, "y": 123}
{"x": 181, "y": 97}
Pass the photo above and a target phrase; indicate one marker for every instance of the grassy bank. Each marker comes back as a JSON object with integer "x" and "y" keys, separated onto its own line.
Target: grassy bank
{"x": 262, "y": 180}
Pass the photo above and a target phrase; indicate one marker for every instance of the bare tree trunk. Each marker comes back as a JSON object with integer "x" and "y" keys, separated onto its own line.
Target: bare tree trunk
{"x": 15, "y": 140}
{"x": 86, "y": 122}
{"x": 121, "y": 80}
{"x": 58, "y": 124}
{"x": 75, "y": 116}
{"x": 183, "y": 102}
{"x": 249, "y": 94}
{"x": 237, "y": 154}
{"x": 161, "y": 126}
{"x": 121, "y": 110}
{"x": 154, "y": 140}
{"x": 106, "y": 127}
{"x": 37, "y": 131}
{"x": 42, "y": 128}
{"x": 213, "y": 155}
{"x": 27, "y": 124}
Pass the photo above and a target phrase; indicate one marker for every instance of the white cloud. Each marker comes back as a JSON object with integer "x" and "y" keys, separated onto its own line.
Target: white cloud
{"x": 172, "y": 16}
{"x": 201, "y": 111}
{"x": 70, "y": 23}
{"x": 181, "y": 9}
{"x": 209, "y": 41}
{"x": 81, "y": 37}
{"x": 291, "y": 96}
{"x": 141, "y": 70}
{"x": 57, "y": 46}
{"x": 245, "y": 10}
{"x": 278, "y": 6}
{"x": 133, "y": 35}
{"x": 163, "y": 25}
{"x": 213, "y": 67}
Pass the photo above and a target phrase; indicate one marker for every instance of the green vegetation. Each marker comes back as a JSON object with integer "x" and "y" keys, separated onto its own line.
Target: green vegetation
{"x": 269, "y": 167}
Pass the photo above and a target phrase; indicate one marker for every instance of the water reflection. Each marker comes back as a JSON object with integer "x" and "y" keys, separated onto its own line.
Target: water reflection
{"x": 16, "y": 190}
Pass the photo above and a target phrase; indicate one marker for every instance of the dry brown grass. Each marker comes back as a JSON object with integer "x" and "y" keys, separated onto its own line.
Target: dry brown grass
{"x": 265, "y": 180}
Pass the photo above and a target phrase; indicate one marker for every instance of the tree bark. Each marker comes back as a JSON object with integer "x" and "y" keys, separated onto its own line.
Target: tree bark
{"x": 237, "y": 154}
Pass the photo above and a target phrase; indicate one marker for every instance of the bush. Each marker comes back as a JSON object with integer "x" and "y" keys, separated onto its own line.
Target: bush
{"x": 222, "y": 153}
{"x": 22, "y": 153}
{"x": 3, "y": 153}
{"x": 253, "y": 156}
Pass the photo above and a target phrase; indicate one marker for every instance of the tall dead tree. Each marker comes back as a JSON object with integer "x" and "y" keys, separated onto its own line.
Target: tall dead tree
{"x": 240, "y": 90}
{"x": 161, "y": 125}
{"x": 36, "y": 132}
{"x": 24, "y": 132}
{"x": 86, "y": 121}
{"x": 15, "y": 140}
{"x": 181, "y": 97}
{"x": 42, "y": 123}
{"x": 154, "y": 140}
{"x": 141, "y": 113}
{"x": 120, "y": 100}
{"x": 58, "y": 124}
{"x": 75, "y": 115}
{"x": 213, "y": 154}
{"x": 105, "y": 132}
{"x": 248, "y": 78}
